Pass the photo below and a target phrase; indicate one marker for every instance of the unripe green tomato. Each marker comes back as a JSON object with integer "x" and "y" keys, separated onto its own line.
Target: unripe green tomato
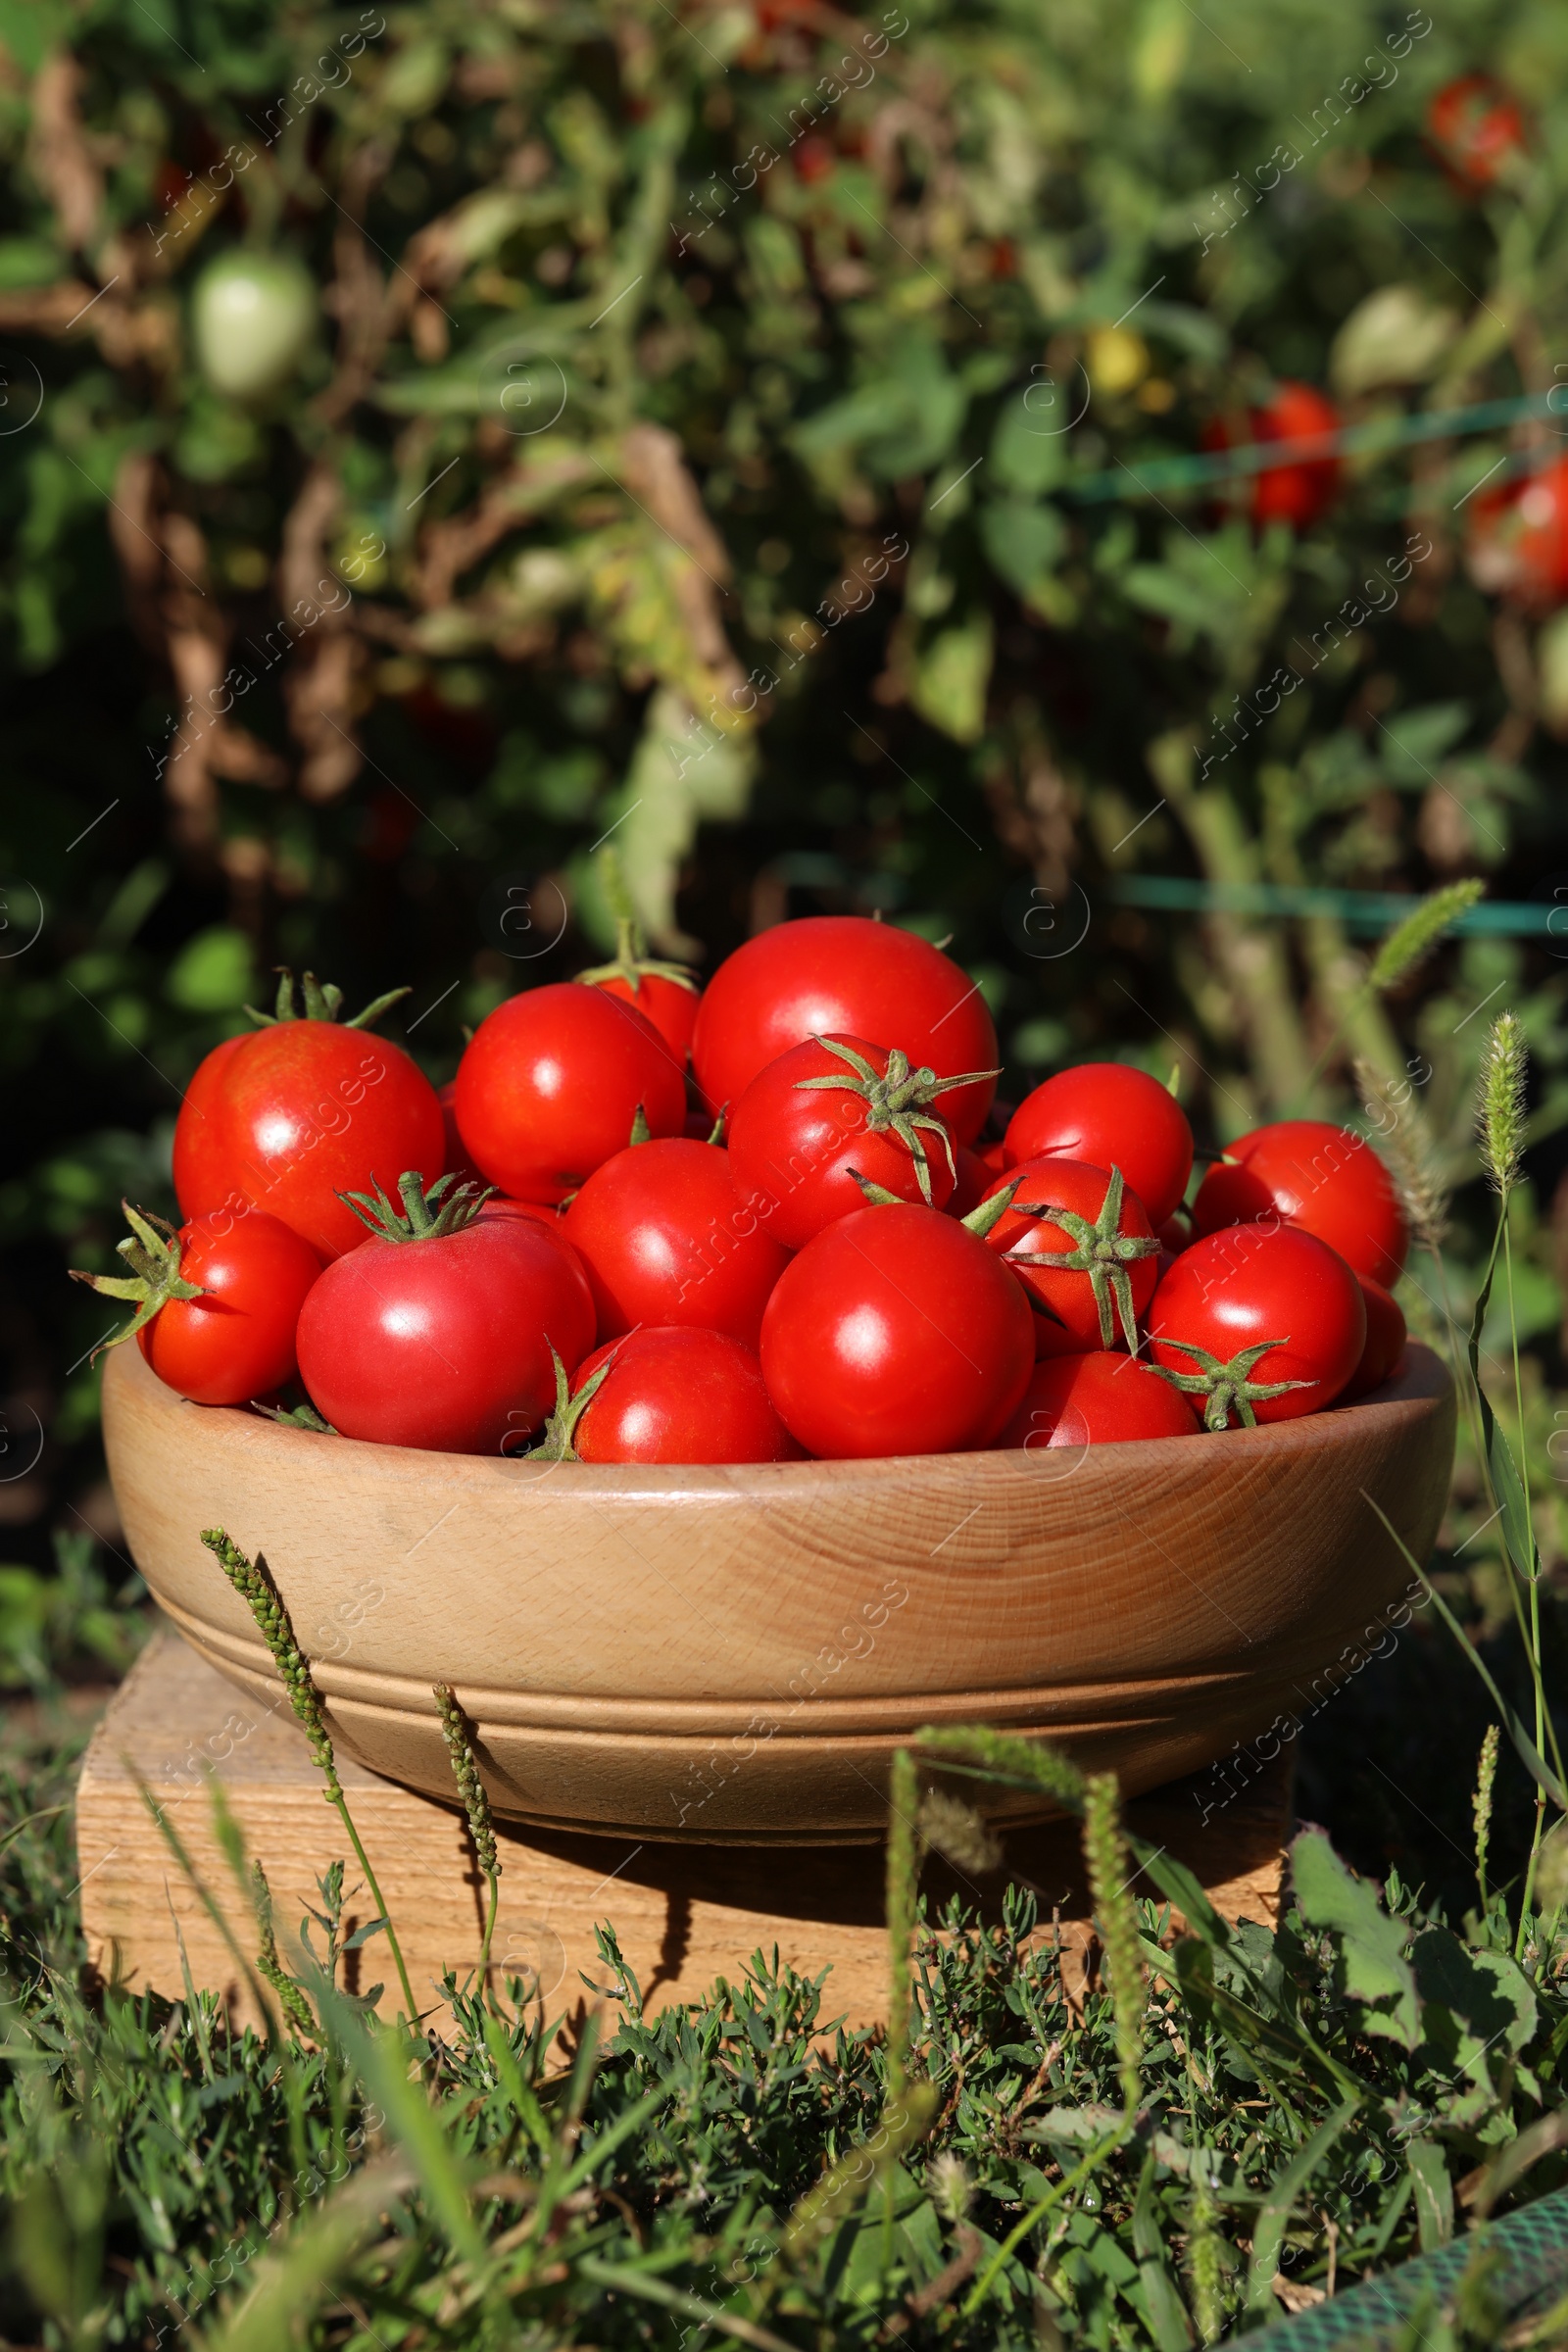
{"x": 252, "y": 316}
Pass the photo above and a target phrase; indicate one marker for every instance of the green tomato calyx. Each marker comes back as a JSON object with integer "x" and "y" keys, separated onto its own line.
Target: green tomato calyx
{"x": 428, "y": 1213}
{"x": 896, "y": 1102}
{"x": 1227, "y": 1387}
{"x": 323, "y": 1003}
{"x": 1102, "y": 1250}
{"x": 152, "y": 1251}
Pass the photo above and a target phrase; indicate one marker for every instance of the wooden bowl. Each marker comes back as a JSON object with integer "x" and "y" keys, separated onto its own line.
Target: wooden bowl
{"x": 730, "y": 1655}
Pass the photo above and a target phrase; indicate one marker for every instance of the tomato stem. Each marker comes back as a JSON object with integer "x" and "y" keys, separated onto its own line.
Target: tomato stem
{"x": 1102, "y": 1250}
{"x": 895, "y": 1100}
{"x": 556, "y": 1446}
{"x": 152, "y": 1251}
{"x": 323, "y": 1002}
{"x": 1227, "y": 1387}
{"x": 423, "y": 1220}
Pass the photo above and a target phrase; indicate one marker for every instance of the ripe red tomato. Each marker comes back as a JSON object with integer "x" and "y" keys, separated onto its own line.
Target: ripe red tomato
{"x": 1105, "y": 1245}
{"x": 839, "y": 975}
{"x": 664, "y": 994}
{"x": 830, "y": 1110}
{"x": 1317, "y": 1177}
{"x": 665, "y": 1238}
{"x": 1245, "y": 1312}
{"x": 1385, "y": 1342}
{"x": 551, "y": 1083}
{"x": 815, "y": 160}
{"x": 1109, "y": 1116}
{"x": 234, "y": 1341}
{"x": 896, "y": 1331}
{"x": 1476, "y": 127}
{"x": 287, "y": 1118}
{"x": 1097, "y": 1399}
{"x": 442, "y": 1338}
{"x": 678, "y": 1395}
{"x": 1517, "y": 542}
{"x": 1299, "y": 492}
{"x": 974, "y": 1181}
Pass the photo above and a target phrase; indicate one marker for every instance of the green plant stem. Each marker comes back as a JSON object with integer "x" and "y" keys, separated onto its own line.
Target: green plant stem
{"x": 489, "y": 1926}
{"x": 1037, "y": 2213}
{"x": 1533, "y": 1643}
{"x": 336, "y": 1798}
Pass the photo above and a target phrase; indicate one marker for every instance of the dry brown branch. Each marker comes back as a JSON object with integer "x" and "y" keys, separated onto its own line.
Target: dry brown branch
{"x": 63, "y": 162}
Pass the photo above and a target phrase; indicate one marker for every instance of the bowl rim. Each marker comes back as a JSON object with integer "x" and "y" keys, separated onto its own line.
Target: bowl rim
{"x": 1421, "y": 1381}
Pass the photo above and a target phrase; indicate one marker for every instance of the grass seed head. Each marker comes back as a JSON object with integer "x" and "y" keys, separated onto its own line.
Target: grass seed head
{"x": 465, "y": 1772}
{"x": 958, "y": 1832}
{"x": 1116, "y": 1916}
{"x": 1500, "y": 1101}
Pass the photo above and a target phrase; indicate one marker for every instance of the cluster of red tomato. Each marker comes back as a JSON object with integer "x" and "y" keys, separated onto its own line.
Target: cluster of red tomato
{"x": 578, "y": 1262}
{"x": 1517, "y": 532}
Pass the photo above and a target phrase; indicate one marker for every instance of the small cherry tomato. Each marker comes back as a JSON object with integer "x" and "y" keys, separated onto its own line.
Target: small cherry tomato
{"x": 1089, "y": 1271}
{"x": 1108, "y": 1116}
{"x": 1259, "y": 1322}
{"x": 1319, "y": 1178}
{"x": 1476, "y": 127}
{"x": 895, "y": 1332}
{"x": 1517, "y": 542}
{"x": 301, "y": 1112}
{"x": 1385, "y": 1342}
{"x": 666, "y": 1238}
{"x": 840, "y": 975}
{"x": 217, "y": 1303}
{"x": 1299, "y": 492}
{"x": 551, "y": 1085}
{"x": 665, "y": 993}
{"x": 1097, "y": 1399}
{"x": 678, "y": 1395}
{"x": 438, "y": 1331}
{"x": 832, "y": 1111}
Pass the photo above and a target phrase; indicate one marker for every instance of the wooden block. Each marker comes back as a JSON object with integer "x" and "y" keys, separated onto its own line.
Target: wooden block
{"x": 684, "y": 1914}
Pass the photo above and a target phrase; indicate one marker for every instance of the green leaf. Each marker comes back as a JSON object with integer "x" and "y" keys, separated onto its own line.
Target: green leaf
{"x": 214, "y": 972}
{"x": 1413, "y": 741}
{"x": 952, "y": 675}
{"x": 1372, "y": 1946}
{"x": 1434, "y": 2193}
{"x": 1024, "y": 542}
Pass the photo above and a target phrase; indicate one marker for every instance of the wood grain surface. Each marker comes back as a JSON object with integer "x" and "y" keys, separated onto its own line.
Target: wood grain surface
{"x": 685, "y": 1915}
{"x": 731, "y": 1654}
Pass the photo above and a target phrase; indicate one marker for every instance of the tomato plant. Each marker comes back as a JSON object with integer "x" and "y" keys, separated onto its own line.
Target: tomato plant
{"x": 677, "y": 1395}
{"x": 665, "y": 1238}
{"x": 253, "y": 316}
{"x": 438, "y": 1331}
{"x": 896, "y": 1331}
{"x": 217, "y": 1303}
{"x": 1264, "y": 1322}
{"x": 1107, "y": 1115}
{"x": 840, "y": 975}
{"x": 829, "y": 1113}
{"x": 1476, "y": 127}
{"x": 301, "y": 1111}
{"x": 1096, "y": 1399}
{"x": 1080, "y": 1243}
{"x": 552, "y": 1083}
{"x": 1317, "y": 1177}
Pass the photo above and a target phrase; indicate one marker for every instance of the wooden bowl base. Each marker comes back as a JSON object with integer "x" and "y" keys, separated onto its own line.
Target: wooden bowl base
{"x": 684, "y": 1915}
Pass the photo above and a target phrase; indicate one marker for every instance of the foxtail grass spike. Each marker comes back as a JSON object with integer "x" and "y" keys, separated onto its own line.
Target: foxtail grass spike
{"x": 1481, "y": 1808}
{"x": 1204, "y": 2260}
{"x": 904, "y": 1878}
{"x": 957, "y": 1831}
{"x": 475, "y": 1805}
{"x": 1500, "y": 1101}
{"x": 1411, "y": 940}
{"x": 1001, "y": 1755}
{"x": 1404, "y": 1142}
{"x": 262, "y": 1598}
{"x": 1106, "y": 1860}
{"x": 296, "y": 2008}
